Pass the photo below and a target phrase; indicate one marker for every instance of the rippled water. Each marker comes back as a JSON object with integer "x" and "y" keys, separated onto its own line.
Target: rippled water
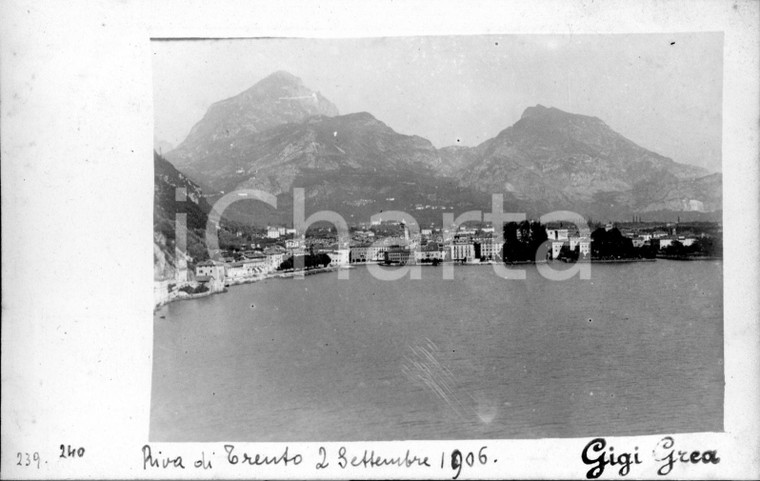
{"x": 637, "y": 349}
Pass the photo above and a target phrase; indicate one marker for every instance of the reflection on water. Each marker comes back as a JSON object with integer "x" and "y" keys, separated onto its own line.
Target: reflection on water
{"x": 637, "y": 349}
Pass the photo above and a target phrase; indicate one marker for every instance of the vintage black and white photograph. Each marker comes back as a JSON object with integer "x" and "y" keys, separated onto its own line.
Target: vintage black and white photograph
{"x": 437, "y": 237}
{"x": 380, "y": 240}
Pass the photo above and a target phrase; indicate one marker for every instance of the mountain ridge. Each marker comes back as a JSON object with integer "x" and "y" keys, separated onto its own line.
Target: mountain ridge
{"x": 550, "y": 154}
{"x": 548, "y": 159}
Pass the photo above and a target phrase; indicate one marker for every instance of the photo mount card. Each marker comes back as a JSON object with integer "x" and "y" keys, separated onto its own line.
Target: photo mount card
{"x": 361, "y": 247}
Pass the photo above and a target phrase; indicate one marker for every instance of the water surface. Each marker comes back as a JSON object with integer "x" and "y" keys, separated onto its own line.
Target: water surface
{"x": 638, "y": 349}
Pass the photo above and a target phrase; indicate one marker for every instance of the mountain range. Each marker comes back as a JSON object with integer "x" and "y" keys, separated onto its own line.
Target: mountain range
{"x": 279, "y": 134}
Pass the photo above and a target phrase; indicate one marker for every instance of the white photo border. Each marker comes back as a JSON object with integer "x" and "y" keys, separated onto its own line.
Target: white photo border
{"x": 77, "y": 129}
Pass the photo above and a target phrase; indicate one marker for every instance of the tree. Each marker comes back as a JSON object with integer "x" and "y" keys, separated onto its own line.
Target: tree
{"x": 308, "y": 262}
{"x": 647, "y": 251}
{"x": 570, "y": 254}
{"x": 611, "y": 245}
{"x": 537, "y": 237}
{"x": 521, "y": 241}
{"x": 674, "y": 249}
{"x": 709, "y": 246}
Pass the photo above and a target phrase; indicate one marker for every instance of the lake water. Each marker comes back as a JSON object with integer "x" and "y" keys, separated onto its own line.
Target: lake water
{"x": 637, "y": 349}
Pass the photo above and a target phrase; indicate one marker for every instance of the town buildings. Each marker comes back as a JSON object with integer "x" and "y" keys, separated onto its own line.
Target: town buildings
{"x": 431, "y": 246}
{"x": 462, "y": 251}
{"x": 490, "y": 250}
{"x": 398, "y": 255}
{"x": 212, "y": 274}
{"x": 430, "y": 253}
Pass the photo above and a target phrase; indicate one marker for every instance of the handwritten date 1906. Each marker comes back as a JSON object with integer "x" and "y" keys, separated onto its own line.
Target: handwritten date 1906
{"x": 455, "y": 460}
{"x": 471, "y": 459}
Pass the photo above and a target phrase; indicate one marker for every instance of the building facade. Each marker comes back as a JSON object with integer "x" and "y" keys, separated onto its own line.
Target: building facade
{"x": 398, "y": 255}
{"x": 557, "y": 234}
{"x": 462, "y": 251}
{"x": 212, "y": 273}
{"x": 490, "y": 249}
{"x": 339, "y": 257}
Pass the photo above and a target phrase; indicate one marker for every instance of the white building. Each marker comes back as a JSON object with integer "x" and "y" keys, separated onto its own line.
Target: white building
{"x": 583, "y": 242}
{"x": 556, "y": 247}
{"x": 274, "y": 257}
{"x": 490, "y": 249}
{"x": 462, "y": 251}
{"x": 273, "y": 233}
{"x": 557, "y": 234}
{"x": 376, "y": 253}
{"x": 430, "y": 252}
{"x": 247, "y": 268}
{"x": 666, "y": 241}
{"x": 339, "y": 257}
{"x": 585, "y": 247}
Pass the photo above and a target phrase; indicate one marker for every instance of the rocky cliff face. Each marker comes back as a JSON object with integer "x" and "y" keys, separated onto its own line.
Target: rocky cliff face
{"x": 166, "y": 181}
{"x": 357, "y": 142}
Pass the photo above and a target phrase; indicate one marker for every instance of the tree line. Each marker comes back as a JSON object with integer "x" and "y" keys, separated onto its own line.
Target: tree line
{"x": 523, "y": 240}
{"x": 309, "y": 261}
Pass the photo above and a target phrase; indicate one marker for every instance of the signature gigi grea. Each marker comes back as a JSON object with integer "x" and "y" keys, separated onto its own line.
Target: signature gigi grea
{"x": 301, "y": 223}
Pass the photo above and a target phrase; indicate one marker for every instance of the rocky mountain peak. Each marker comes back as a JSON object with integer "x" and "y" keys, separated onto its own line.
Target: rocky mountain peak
{"x": 280, "y": 83}
{"x": 536, "y": 111}
{"x": 281, "y": 76}
{"x": 278, "y": 99}
{"x": 365, "y": 118}
{"x": 281, "y": 93}
{"x": 553, "y": 114}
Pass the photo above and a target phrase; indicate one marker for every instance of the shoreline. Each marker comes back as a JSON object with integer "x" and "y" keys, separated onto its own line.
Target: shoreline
{"x": 321, "y": 270}
{"x": 584, "y": 261}
{"x": 184, "y": 297}
{"x": 243, "y": 281}
{"x": 617, "y": 261}
{"x": 690, "y": 258}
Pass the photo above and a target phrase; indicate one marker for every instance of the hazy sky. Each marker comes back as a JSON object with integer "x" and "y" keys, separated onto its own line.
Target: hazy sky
{"x": 662, "y": 91}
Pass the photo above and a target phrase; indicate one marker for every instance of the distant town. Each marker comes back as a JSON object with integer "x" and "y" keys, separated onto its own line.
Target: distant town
{"x": 249, "y": 254}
